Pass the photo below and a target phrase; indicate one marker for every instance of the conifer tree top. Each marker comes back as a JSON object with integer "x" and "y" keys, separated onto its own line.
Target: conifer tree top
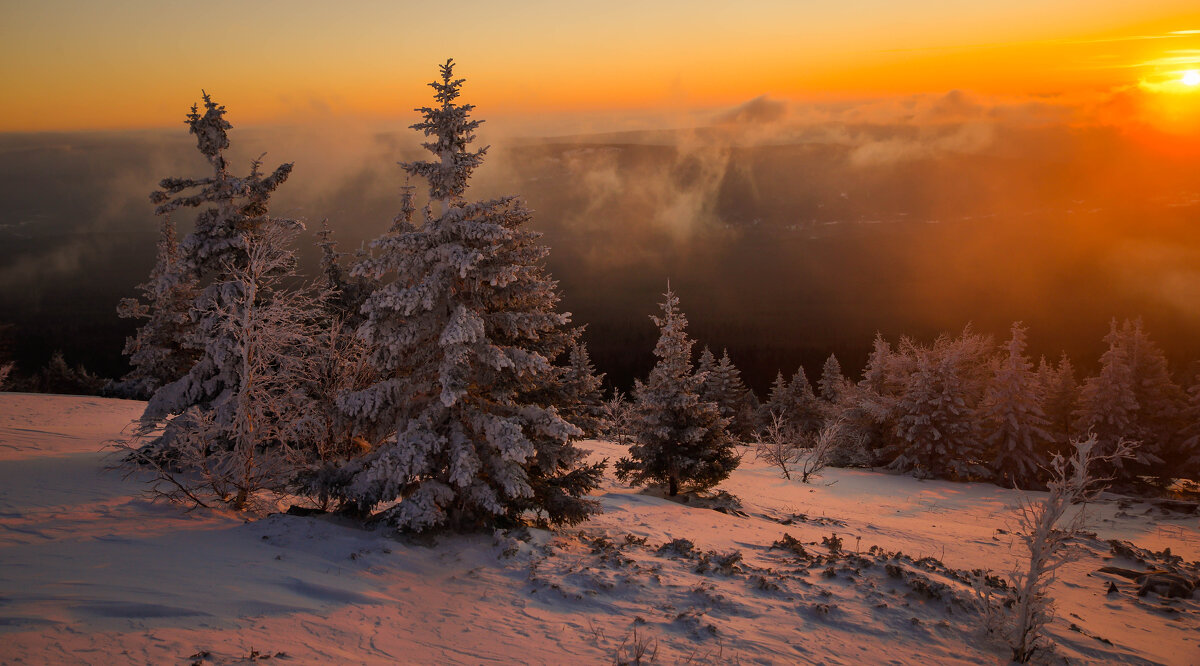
{"x": 210, "y": 130}
{"x": 452, "y": 130}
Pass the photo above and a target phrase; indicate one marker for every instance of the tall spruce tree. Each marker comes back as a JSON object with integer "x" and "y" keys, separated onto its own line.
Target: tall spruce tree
{"x": 463, "y": 330}
{"x": 1189, "y": 434}
{"x": 679, "y": 439}
{"x": 1017, "y": 434}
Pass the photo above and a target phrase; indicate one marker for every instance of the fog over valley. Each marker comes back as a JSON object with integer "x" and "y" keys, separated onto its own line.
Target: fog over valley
{"x": 789, "y": 231}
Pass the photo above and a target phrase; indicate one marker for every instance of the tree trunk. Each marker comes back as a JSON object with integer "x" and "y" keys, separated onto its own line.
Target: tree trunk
{"x": 672, "y": 485}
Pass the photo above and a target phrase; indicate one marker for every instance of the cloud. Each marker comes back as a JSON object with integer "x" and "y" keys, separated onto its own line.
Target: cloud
{"x": 760, "y": 110}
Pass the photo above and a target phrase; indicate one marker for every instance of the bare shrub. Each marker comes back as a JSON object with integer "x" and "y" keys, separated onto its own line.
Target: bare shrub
{"x": 636, "y": 650}
{"x": 784, "y": 446}
{"x": 778, "y": 444}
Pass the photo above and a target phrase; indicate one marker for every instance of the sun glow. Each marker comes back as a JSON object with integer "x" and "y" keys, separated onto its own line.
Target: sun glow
{"x": 1190, "y": 78}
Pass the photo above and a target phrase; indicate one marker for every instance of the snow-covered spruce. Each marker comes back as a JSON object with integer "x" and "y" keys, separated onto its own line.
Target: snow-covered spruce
{"x": 1133, "y": 397}
{"x": 936, "y": 414}
{"x": 1060, "y": 393}
{"x": 582, "y": 399}
{"x": 832, "y": 383}
{"x": 678, "y": 438}
{"x": 1016, "y": 427}
{"x": 723, "y": 385}
{"x": 795, "y": 401}
{"x": 463, "y": 329}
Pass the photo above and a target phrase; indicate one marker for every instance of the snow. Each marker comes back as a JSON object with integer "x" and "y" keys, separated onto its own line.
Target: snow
{"x": 91, "y": 571}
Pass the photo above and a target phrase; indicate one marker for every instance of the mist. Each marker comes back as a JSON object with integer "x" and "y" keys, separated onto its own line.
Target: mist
{"x": 790, "y": 231}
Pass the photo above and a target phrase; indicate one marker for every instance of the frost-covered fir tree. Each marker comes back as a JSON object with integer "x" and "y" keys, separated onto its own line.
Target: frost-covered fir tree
{"x": 808, "y": 411}
{"x": 869, "y": 417}
{"x": 1012, "y": 413}
{"x": 1189, "y": 435}
{"x": 832, "y": 382}
{"x": 779, "y": 401}
{"x": 156, "y": 351}
{"x": 1132, "y": 397}
{"x": 679, "y": 439}
{"x": 937, "y": 423}
{"x": 233, "y": 206}
{"x": 212, "y": 256}
{"x": 582, "y": 393}
{"x": 723, "y": 385}
{"x": 794, "y": 401}
{"x": 704, "y": 366}
{"x": 463, "y": 330}
{"x": 1060, "y": 395}
{"x": 342, "y": 294}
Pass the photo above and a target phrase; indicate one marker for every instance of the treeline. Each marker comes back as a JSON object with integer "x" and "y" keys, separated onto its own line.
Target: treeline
{"x": 964, "y": 408}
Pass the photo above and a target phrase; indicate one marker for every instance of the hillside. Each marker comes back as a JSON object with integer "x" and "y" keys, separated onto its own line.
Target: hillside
{"x": 93, "y": 572}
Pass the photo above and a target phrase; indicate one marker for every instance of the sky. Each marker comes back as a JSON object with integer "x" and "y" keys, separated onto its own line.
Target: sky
{"x": 67, "y": 65}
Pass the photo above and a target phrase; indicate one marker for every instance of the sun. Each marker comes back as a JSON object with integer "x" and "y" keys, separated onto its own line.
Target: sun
{"x": 1190, "y": 78}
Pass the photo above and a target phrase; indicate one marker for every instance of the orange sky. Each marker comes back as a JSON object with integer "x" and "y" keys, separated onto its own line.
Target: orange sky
{"x": 87, "y": 65}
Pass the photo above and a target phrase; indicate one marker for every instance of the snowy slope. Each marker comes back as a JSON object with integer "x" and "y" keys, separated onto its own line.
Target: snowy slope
{"x": 91, "y": 572}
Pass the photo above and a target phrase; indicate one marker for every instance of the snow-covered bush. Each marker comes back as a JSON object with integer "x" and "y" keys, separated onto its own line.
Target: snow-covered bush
{"x": 678, "y": 438}
{"x": 618, "y": 418}
{"x": 821, "y": 447}
{"x": 57, "y": 376}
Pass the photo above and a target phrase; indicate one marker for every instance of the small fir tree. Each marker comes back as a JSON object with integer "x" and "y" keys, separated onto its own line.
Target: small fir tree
{"x": 582, "y": 393}
{"x": 723, "y": 385}
{"x": 1189, "y": 435}
{"x": 1060, "y": 396}
{"x": 832, "y": 382}
{"x": 679, "y": 438}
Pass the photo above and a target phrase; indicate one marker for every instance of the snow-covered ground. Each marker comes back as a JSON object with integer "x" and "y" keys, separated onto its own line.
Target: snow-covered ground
{"x": 92, "y": 572}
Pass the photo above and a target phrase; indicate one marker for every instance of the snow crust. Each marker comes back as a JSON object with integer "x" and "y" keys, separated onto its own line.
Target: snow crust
{"x": 91, "y": 572}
